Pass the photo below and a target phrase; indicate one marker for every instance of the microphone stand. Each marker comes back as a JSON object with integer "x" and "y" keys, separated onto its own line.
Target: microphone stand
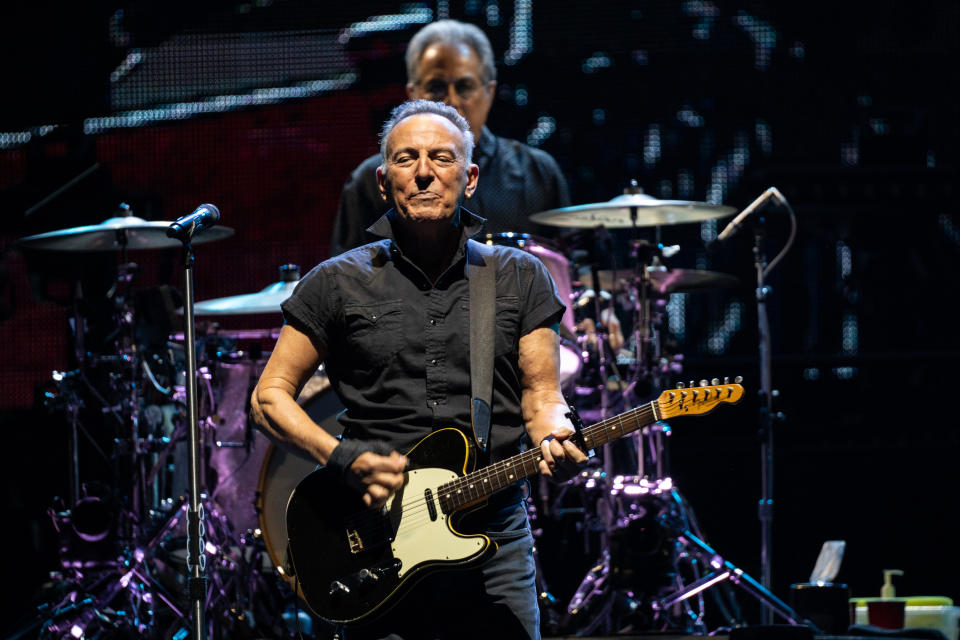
{"x": 196, "y": 558}
{"x": 765, "y": 507}
{"x": 768, "y": 418}
{"x": 767, "y": 415}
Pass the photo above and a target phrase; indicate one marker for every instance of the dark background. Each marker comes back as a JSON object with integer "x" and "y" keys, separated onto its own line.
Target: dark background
{"x": 847, "y": 108}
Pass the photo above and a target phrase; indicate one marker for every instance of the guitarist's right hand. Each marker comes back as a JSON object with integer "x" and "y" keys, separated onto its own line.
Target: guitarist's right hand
{"x": 376, "y": 476}
{"x": 371, "y": 468}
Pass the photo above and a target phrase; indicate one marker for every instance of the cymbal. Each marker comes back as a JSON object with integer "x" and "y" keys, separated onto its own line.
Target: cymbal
{"x": 666, "y": 281}
{"x": 109, "y": 235}
{"x": 629, "y": 210}
{"x": 267, "y": 300}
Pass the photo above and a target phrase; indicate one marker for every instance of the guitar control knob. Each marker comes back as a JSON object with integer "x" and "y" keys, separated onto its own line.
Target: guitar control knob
{"x": 337, "y": 588}
{"x": 367, "y": 577}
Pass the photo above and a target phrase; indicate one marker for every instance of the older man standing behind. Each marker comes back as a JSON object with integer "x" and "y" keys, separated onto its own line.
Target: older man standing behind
{"x": 452, "y": 62}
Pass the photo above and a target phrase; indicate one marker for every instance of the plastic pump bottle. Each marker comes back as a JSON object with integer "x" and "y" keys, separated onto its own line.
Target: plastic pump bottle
{"x": 888, "y": 590}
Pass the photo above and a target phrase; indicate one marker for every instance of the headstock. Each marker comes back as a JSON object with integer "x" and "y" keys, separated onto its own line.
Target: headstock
{"x": 697, "y": 400}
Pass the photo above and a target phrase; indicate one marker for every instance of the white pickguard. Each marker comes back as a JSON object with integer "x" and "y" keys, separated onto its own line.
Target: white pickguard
{"x": 420, "y": 539}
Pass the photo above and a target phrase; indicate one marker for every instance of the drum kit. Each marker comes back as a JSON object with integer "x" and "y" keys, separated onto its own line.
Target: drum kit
{"x": 122, "y": 546}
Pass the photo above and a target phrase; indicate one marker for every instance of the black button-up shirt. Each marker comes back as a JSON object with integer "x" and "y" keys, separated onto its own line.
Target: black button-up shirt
{"x": 515, "y": 181}
{"x": 398, "y": 345}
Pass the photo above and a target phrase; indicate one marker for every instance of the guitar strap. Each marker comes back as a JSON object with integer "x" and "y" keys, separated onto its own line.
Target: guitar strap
{"x": 481, "y": 272}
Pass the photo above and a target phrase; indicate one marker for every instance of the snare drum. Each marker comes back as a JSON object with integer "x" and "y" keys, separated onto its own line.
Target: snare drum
{"x": 559, "y": 268}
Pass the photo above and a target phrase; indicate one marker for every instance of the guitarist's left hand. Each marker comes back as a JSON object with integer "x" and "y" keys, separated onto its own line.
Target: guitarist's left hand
{"x": 562, "y": 459}
{"x": 543, "y": 406}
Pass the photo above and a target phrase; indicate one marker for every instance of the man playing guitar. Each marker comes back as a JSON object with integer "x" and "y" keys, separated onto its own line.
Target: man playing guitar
{"x": 390, "y": 323}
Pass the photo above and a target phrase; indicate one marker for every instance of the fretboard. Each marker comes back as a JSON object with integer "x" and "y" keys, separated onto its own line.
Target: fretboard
{"x": 481, "y": 484}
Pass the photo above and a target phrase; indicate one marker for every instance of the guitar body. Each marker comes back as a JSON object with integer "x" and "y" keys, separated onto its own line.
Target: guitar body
{"x": 353, "y": 562}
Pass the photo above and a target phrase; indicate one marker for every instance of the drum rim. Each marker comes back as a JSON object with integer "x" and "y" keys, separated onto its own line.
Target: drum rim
{"x": 520, "y": 236}
{"x": 261, "y": 511}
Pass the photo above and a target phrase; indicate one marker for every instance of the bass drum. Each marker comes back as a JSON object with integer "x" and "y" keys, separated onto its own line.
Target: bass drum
{"x": 559, "y": 268}
{"x": 282, "y": 471}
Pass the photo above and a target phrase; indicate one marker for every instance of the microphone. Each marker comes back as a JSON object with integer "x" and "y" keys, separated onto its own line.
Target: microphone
{"x": 731, "y": 229}
{"x": 185, "y": 228}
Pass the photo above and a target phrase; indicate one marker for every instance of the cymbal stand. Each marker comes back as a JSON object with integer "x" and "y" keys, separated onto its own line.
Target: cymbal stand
{"x": 595, "y": 589}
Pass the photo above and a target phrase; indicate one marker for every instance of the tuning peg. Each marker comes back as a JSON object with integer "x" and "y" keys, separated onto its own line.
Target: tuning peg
{"x": 695, "y": 394}
{"x": 715, "y": 382}
{"x": 679, "y": 385}
{"x": 703, "y": 382}
{"x": 738, "y": 379}
{"x": 692, "y": 384}
{"x": 726, "y": 379}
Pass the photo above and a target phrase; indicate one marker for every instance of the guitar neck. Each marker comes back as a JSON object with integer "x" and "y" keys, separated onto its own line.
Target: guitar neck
{"x": 481, "y": 484}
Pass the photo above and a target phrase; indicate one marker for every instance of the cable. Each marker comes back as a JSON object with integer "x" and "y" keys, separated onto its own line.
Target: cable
{"x": 793, "y": 234}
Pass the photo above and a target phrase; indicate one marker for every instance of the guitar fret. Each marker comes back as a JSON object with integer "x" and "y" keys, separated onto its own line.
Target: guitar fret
{"x": 501, "y": 477}
{"x": 533, "y": 463}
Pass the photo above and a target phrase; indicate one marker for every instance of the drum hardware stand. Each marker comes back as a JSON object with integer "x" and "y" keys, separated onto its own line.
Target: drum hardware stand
{"x": 721, "y": 570}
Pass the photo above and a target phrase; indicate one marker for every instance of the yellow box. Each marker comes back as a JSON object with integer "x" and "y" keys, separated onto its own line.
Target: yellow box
{"x": 930, "y": 612}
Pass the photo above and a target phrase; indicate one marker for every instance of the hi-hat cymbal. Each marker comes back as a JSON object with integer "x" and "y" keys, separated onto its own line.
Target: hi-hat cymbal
{"x": 629, "y": 210}
{"x": 665, "y": 281}
{"x": 265, "y": 301}
{"x": 116, "y": 233}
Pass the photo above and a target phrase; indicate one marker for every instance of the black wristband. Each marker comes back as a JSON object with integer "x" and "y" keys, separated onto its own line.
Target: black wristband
{"x": 349, "y": 450}
{"x": 547, "y": 438}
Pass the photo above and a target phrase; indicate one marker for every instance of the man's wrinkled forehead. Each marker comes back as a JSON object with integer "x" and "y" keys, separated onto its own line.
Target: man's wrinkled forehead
{"x": 425, "y": 127}
{"x": 441, "y": 57}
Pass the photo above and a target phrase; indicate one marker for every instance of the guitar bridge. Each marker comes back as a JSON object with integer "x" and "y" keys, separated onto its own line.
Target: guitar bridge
{"x": 368, "y": 530}
{"x": 354, "y": 541}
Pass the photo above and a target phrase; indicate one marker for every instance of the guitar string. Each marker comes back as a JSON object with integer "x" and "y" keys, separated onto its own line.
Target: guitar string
{"x": 375, "y": 521}
{"x": 499, "y": 468}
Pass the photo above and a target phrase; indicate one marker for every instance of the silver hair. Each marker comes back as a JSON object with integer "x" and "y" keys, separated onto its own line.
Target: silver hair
{"x": 417, "y": 107}
{"x": 451, "y": 32}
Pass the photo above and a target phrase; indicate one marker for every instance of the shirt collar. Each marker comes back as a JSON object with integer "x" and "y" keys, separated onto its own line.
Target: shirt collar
{"x": 470, "y": 223}
{"x": 486, "y": 147}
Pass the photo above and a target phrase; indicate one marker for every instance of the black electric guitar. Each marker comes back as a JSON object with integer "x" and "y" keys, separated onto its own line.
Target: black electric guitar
{"x": 352, "y": 563}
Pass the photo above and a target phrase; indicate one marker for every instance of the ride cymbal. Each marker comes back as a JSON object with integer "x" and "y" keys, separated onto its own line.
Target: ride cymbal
{"x": 266, "y": 300}
{"x": 631, "y": 210}
{"x": 665, "y": 281}
{"x": 129, "y": 232}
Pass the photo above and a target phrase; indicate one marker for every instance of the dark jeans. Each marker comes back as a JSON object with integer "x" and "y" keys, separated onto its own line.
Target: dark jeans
{"x": 495, "y": 600}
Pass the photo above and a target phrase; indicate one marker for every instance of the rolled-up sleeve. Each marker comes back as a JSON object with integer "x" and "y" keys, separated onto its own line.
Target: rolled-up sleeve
{"x": 542, "y": 305}
{"x": 313, "y": 307}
